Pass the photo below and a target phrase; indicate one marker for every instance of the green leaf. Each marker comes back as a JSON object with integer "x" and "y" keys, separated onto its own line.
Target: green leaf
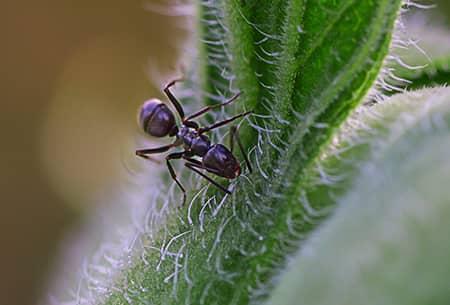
{"x": 302, "y": 66}
{"x": 387, "y": 242}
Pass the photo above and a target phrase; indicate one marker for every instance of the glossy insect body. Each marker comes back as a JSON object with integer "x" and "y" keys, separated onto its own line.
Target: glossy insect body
{"x": 222, "y": 160}
{"x": 158, "y": 120}
{"x": 193, "y": 142}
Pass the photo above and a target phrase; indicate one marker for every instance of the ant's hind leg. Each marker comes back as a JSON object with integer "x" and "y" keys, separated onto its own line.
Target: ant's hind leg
{"x": 173, "y": 174}
{"x": 192, "y": 166}
{"x": 149, "y": 158}
{"x": 234, "y": 136}
{"x": 144, "y": 153}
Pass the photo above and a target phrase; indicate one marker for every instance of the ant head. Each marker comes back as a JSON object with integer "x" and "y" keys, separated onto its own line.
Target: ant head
{"x": 156, "y": 119}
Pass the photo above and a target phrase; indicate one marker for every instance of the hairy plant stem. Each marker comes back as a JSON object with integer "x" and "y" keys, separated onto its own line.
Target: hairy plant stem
{"x": 302, "y": 66}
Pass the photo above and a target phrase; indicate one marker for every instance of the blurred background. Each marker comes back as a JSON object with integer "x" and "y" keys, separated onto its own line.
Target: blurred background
{"x": 73, "y": 76}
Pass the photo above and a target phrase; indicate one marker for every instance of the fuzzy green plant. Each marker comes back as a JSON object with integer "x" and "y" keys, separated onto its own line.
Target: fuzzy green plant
{"x": 302, "y": 67}
{"x": 388, "y": 240}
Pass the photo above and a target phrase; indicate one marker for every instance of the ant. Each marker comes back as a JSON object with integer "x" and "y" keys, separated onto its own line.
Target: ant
{"x": 158, "y": 120}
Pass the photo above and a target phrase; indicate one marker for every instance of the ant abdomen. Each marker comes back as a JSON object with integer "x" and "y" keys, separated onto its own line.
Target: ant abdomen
{"x": 222, "y": 161}
{"x": 156, "y": 118}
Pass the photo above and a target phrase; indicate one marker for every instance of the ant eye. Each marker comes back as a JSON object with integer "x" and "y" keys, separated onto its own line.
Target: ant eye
{"x": 156, "y": 118}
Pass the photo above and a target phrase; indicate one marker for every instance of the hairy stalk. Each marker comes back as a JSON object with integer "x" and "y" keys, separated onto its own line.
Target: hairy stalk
{"x": 394, "y": 221}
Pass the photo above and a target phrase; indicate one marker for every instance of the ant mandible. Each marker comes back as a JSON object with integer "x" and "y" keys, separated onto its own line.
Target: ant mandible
{"x": 158, "y": 120}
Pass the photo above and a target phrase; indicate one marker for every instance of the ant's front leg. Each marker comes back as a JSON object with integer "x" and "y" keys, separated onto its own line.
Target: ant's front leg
{"x": 173, "y": 99}
{"x": 144, "y": 153}
{"x": 234, "y": 136}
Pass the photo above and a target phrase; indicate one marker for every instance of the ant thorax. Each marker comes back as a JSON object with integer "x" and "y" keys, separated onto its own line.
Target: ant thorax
{"x": 193, "y": 142}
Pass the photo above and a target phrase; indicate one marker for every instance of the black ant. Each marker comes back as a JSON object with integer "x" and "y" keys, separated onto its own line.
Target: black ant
{"x": 158, "y": 120}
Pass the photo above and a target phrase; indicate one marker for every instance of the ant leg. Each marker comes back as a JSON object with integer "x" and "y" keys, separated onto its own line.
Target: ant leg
{"x": 222, "y": 123}
{"x": 143, "y": 153}
{"x": 208, "y": 108}
{"x": 192, "y": 160}
{"x": 173, "y": 174}
{"x": 173, "y": 99}
{"x": 191, "y": 124}
{"x": 234, "y": 136}
{"x": 199, "y": 164}
{"x": 192, "y": 166}
{"x": 149, "y": 158}
{"x": 155, "y": 150}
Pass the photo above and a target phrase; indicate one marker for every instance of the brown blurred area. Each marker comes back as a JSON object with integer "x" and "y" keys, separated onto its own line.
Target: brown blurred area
{"x": 50, "y": 49}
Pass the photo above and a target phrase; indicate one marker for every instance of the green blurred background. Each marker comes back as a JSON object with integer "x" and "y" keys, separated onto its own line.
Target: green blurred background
{"x": 73, "y": 76}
